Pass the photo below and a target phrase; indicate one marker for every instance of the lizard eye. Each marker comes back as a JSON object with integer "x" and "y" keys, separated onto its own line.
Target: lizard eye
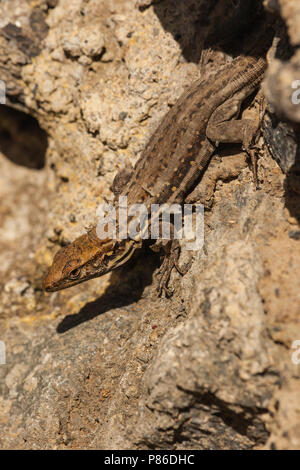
{"x": 75, "y": 273}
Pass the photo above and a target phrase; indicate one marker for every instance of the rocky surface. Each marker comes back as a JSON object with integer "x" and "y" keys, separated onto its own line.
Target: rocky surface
{"x": 107, "y": 364}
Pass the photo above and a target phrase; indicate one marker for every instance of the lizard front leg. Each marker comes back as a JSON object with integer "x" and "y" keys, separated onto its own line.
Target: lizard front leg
{"x": 171, "y": 249}
{"x": 224, "y": 127}
{"x": 171, "y": 252}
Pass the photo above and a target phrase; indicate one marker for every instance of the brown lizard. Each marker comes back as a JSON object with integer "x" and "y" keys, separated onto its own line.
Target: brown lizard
{"x": 169, "y": 167}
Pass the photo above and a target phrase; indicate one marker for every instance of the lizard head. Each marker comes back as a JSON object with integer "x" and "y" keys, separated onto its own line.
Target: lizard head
{"x": 86, "y": 258}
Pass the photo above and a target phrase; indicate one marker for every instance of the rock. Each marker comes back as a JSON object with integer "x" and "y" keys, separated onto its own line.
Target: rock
{"x": 107, "y": 364}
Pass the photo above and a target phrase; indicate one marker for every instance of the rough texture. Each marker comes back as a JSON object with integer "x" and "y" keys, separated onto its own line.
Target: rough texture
{"x": 107, "y": 364}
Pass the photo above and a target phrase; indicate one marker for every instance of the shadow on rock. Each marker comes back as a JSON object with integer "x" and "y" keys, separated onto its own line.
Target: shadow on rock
{"x": 127, "y": 285}
{"x": 217, "y": 24}
{"x": 22, "y": 140}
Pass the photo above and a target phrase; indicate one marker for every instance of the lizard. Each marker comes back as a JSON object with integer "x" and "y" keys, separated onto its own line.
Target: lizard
{"x": 169, "y": 167}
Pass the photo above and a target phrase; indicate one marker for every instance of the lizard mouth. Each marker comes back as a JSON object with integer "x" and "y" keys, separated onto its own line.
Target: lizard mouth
{"x": 49, "y": 286}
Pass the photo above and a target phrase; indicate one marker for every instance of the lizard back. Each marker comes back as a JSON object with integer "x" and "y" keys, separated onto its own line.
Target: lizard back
{"x": 179, "y": 149}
